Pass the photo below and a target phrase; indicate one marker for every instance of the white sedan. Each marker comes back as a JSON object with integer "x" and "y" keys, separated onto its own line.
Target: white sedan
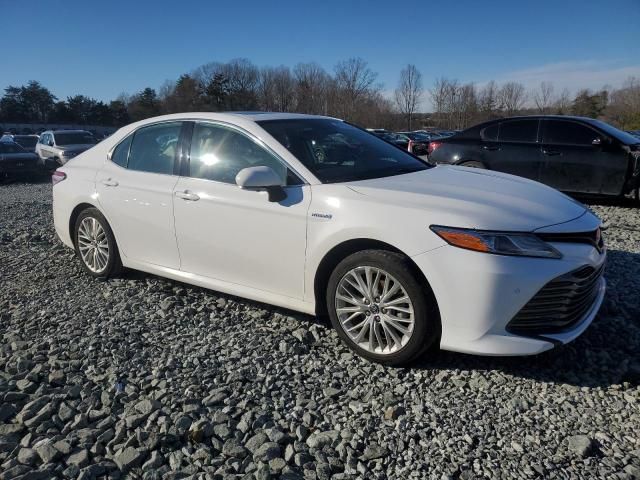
{"x": 316, "y": 215}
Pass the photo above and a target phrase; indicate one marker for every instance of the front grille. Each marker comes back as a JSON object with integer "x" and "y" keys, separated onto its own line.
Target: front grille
{"x": 560, "y": 304}
{"x": 593, "y": 238}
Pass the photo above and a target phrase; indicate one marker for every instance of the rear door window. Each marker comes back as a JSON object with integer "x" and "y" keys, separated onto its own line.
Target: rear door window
{"x": 561, "y": 132}
{"x": 120, "y": 155}
{"x": 490, "y": 133}
{"x": 153, "y": 148}
{"x": 525, "y": 131}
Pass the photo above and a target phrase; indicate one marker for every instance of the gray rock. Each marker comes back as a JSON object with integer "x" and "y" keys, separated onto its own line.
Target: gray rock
{"x": 267, "y": 451}
{"x": 321, "y": 439}
{"x": 46, "y": 451}
{"x": 79, "y": 458}
{"x": 581, "y": 445}
{"x": 128, "y": 459}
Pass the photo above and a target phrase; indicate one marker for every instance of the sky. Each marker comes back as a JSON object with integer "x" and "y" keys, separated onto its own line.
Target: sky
{"x": 102, "y": 49}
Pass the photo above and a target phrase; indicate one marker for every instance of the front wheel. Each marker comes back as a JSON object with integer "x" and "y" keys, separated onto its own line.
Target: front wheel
{"x": 95, "y": 245}
{"x": 380, "y": 309}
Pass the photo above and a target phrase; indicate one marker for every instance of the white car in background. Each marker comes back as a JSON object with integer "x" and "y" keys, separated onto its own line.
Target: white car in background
{"x": 316, "y": 215}
{"x": 57, "y": 147}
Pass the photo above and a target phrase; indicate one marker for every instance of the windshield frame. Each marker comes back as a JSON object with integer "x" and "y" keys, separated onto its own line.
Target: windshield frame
{"x": 418, "y": 163}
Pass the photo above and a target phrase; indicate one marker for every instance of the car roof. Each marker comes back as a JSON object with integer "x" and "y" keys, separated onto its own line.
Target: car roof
{"x": 260, "y": 116}
{"x": 66, "y": 131}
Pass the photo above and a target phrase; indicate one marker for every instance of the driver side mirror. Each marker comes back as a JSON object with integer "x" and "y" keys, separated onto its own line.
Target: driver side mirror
{"x": 262, "y": 178}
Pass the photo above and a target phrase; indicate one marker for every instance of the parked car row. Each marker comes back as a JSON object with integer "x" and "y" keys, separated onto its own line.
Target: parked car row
{"x": 33, "y": 154}
{"x": 416, "y": 142}
{"x": 572, "y": 154}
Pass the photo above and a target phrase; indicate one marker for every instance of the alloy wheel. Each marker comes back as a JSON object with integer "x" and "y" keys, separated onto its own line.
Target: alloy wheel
{"x": 93, "y": 244}
{"x": 374, "y": 310}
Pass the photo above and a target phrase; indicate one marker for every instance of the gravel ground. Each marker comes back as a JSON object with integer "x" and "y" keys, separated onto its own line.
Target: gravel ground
{"x": 149, "y": 378}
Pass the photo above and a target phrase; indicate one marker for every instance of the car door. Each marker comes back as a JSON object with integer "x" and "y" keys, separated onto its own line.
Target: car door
{"x": 516, "y": 150}
{"x": 579, "y": 158}
{"x": 135, "y": 190}
{"x": 235, "y": 235}
{"x": 44, "y": 146}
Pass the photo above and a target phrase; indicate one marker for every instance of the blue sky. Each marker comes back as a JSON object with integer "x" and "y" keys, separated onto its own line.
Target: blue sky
{"x": 101, "y": 49}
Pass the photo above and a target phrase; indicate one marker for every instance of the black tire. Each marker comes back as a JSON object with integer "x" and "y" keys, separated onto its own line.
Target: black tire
{"x": 426, "y": 330}
{"x": 113, "y": 266}
{"x": 473, "y": 164}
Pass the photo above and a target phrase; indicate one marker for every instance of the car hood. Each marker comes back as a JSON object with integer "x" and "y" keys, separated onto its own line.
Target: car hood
{"x": 474, "y": 198}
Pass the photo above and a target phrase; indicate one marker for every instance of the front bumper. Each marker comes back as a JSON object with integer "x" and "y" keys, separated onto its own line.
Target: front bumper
{"x": 478, "y": 295}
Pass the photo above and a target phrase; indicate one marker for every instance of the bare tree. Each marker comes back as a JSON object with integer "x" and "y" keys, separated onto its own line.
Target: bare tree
{"x": 512, "y": 97}
{"x": 312, "y": 84}
{"x": 488, "y": 101}
{"x": 354, "y": 80}
{"x": 409, "y": 92}
{"x": 624, "y": 107}
{"x": 562, "y": 105}
{"x": 543, "y": 97}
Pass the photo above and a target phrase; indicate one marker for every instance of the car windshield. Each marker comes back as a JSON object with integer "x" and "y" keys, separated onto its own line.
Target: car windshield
{"x": 623, "y": 136}
{"x": 335, "y": 151}
{"x": 75, "y": 138}
{"x": 27, "y": 141}
{"x": 8, "y": 147}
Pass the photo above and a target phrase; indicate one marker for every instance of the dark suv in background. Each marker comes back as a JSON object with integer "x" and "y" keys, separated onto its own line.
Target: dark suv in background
{"x": 573, "y": 154}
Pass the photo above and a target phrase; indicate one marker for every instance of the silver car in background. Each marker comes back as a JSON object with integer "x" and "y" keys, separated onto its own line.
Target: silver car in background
{"x": 57, "y": 147}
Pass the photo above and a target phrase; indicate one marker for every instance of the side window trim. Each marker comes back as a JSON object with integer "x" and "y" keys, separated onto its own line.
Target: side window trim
{"x": 186, "y": 170}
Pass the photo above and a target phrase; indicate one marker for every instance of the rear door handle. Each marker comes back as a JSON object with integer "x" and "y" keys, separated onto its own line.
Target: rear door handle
{"x": 109, "y": 182}
{"x": 490, "y": 148}
{"x": 187, "y": 195}
{"x": 551, "y": 153}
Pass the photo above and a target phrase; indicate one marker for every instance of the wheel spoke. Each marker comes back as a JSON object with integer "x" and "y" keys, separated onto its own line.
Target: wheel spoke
{"x": 391, "y": 334}
{"x": 400, "y": 328}
{"x": 396, "y": 301}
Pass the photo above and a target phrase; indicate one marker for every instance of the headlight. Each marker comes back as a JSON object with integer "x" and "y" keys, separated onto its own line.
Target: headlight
{"x": 501, "y": 243}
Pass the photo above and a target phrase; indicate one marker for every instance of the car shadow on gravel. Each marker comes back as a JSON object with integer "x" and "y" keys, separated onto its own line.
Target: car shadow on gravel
{"x": 607, "y": 353}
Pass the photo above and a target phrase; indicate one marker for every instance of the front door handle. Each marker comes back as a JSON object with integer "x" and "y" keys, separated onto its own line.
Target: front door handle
{"x": 490, "y": 148}
{"x": 187, "y": 195}
{"x": 109, "y": 182}
{"x": 551, "y": 153}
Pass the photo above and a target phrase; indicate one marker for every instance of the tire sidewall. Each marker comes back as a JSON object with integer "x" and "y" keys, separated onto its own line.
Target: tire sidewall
{"x": 426, "y": 328}
{"x": 113, "y": 264}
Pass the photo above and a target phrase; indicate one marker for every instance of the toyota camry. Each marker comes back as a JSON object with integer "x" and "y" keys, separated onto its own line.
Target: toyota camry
{"x": 317, "y": 215}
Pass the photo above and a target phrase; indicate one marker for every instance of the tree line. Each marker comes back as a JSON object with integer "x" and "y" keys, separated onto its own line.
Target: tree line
{"x": 350, "y": 91}
{"x": 459, "y": 105}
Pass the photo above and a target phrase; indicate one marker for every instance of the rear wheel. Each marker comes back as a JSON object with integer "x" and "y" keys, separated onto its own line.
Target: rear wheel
{"x": 379, "y": 308}
{"x": 473, "y": 164}
{"x": 95, "y": 245}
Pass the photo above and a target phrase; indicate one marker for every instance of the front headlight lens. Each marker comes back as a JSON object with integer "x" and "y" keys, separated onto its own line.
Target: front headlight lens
{"x": 501, "y": 243}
